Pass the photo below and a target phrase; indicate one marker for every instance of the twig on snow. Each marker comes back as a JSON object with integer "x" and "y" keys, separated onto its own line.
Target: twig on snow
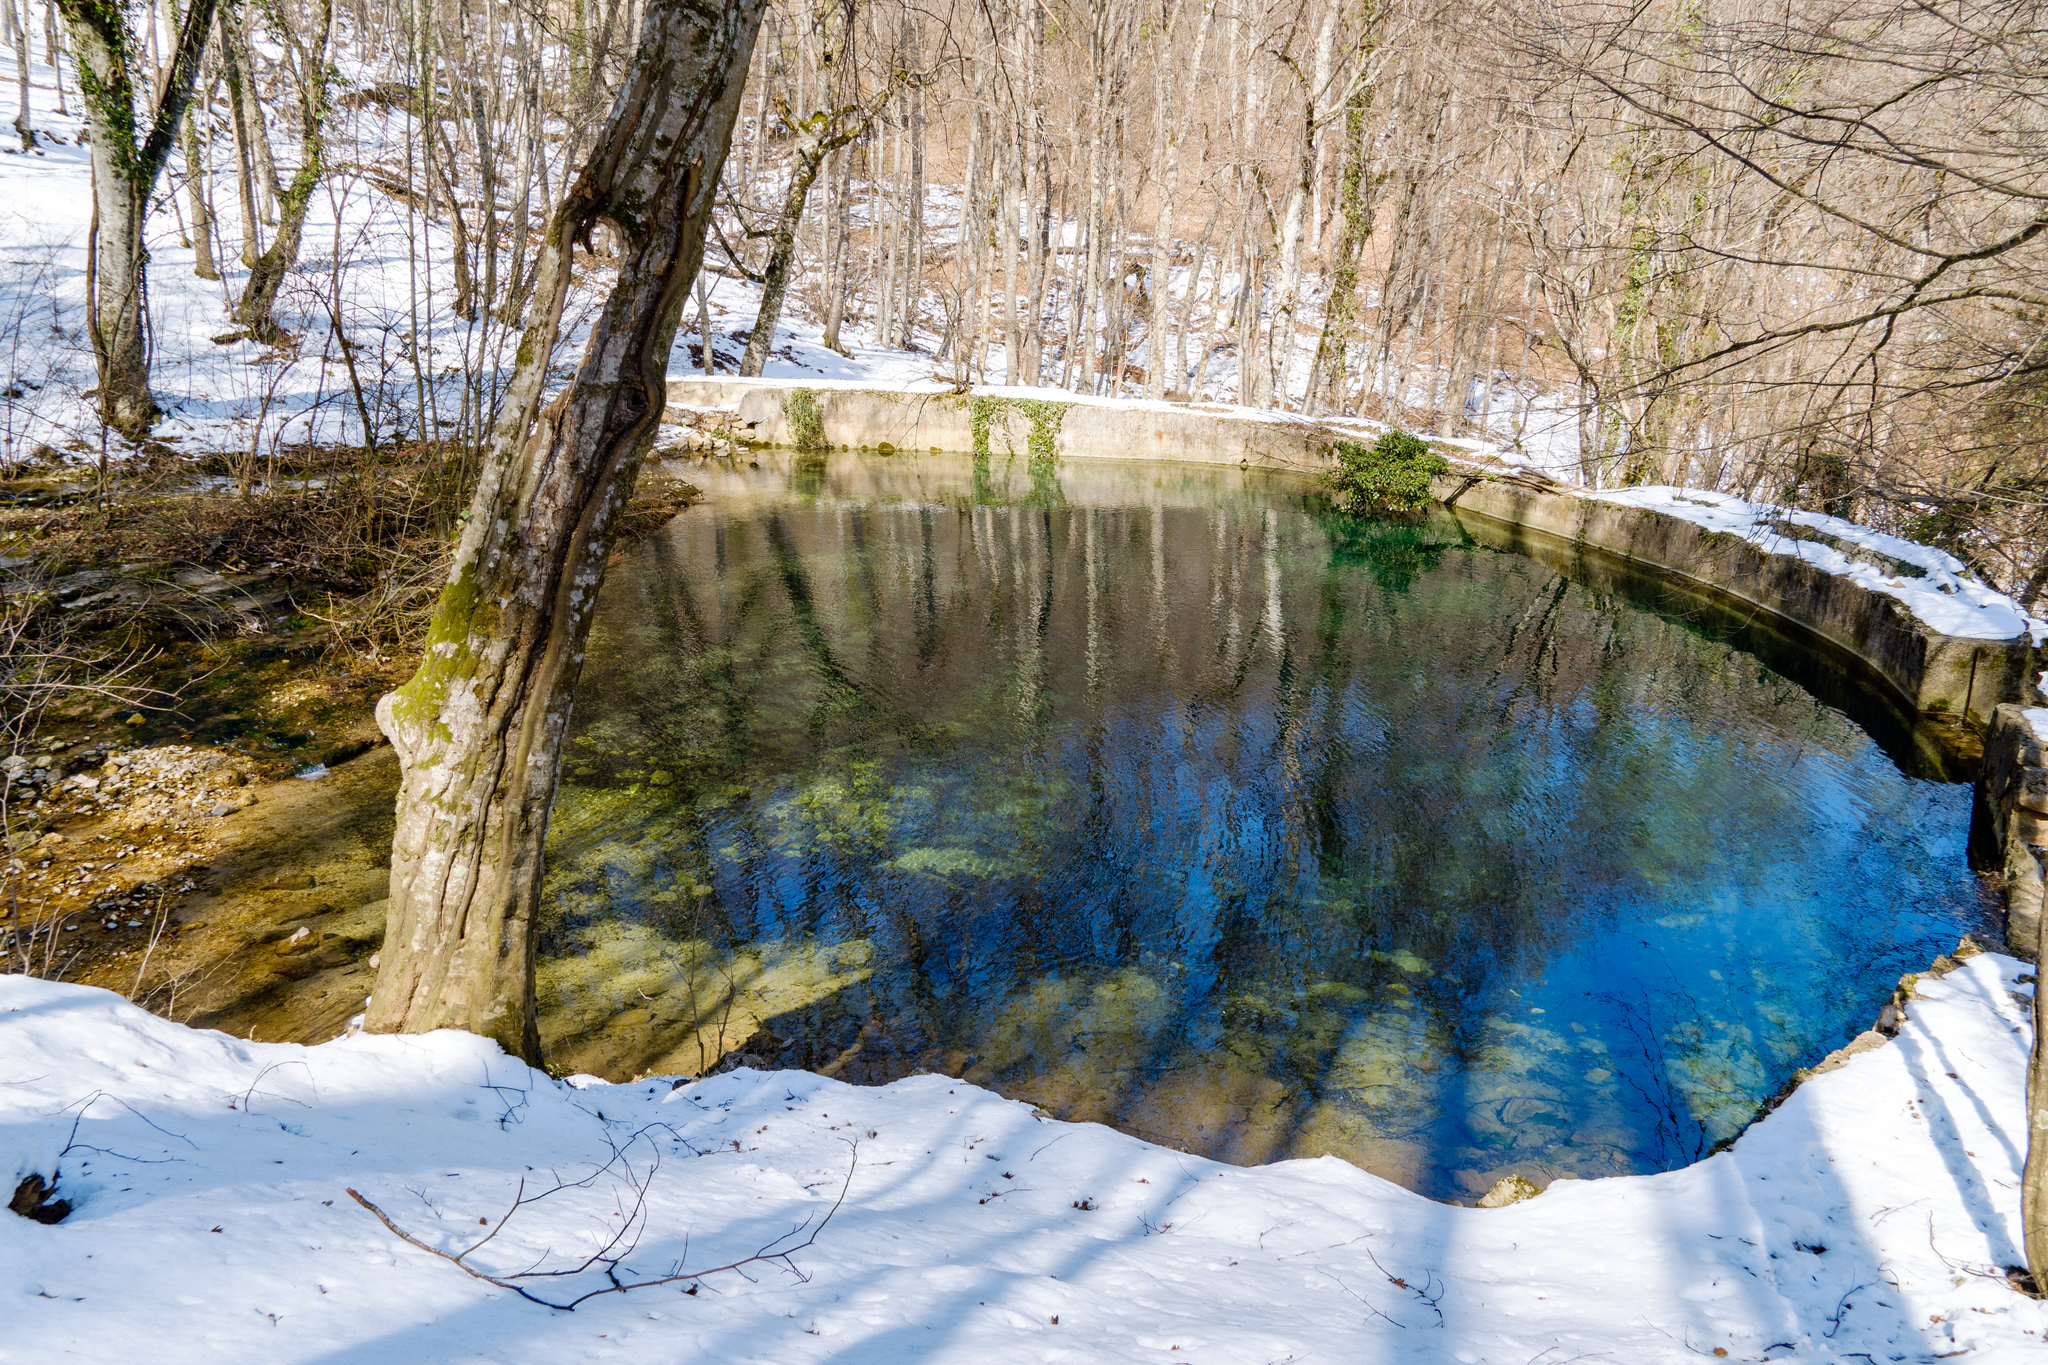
{"x": 1362, "y": 1299}
{"x": 612, "y": 1255}
{"x": 1421, "y": 1292}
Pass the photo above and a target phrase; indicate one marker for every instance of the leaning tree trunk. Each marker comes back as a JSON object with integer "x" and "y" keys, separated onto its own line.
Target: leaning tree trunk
{"x": 826, "y": 136}
{"x": 781, "y": 254}
{"x": 128, "y": 153}
{"x": 259, "y": 295}
{"x": 479, "y": 728}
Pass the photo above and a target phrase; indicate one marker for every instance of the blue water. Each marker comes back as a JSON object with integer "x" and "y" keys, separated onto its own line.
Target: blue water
{"x": 1164, "y": 798}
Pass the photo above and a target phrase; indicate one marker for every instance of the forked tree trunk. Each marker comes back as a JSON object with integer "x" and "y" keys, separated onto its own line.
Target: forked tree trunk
{"x": 259, "y": 295}
{"x": 824, "y": 133}
{"x": 129, "y": 148}
{"x": 478, "y": 729}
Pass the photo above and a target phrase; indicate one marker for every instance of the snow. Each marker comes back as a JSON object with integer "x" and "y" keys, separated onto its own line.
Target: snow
{"x": 1940, "y": 594}
{"x": 213, "y": 1221}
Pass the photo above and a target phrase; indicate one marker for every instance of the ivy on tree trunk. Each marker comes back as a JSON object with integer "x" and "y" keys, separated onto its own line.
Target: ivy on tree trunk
{"x": 129, "y": 149}
{"x": 259, "y": 295}
{"x": 817, "y": 137}
{"x": 479, "y": 728}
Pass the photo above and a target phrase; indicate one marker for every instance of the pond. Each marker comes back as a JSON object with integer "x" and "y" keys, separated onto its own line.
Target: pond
{"x": 1161, "y": 796}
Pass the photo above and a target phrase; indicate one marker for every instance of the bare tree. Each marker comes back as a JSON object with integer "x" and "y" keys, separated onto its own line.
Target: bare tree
{"x": 305, "y": 51}
{"x": 130, "y": 145}
{"x": 841, "y": 116}
{"x": 479, "y": 728}
{"x": 1830, "y": 258}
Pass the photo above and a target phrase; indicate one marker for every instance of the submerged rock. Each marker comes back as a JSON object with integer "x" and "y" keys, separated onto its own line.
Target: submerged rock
{"x": 1509, "y": 1189}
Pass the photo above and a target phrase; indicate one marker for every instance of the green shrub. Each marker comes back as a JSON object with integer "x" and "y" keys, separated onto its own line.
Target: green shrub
{"x": 806, "y": 423}
{"x": 1392, "y": 474}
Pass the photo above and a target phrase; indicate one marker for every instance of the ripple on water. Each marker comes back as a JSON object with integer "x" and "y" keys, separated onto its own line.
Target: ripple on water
{"x": 1160, "y": 797}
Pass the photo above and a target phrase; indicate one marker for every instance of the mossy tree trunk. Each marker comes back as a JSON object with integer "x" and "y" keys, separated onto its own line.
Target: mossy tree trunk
{"x": 1355, "y": 188}
{"x": 129, "y": 149}
{"x": 817, "y": 137}
{"x": 479, "y": 728}
{"x": 308, "y": 53}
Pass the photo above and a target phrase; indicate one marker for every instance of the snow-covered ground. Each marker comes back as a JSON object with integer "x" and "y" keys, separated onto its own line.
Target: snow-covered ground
{"x": 1869, "y": 1218}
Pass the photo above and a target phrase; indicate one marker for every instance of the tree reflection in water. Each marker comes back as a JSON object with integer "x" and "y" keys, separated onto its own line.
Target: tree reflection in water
{"x": 1159, "y": 796}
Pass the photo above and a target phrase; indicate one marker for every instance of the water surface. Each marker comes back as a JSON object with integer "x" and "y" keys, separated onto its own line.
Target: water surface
{"x": 1159, "y": 796}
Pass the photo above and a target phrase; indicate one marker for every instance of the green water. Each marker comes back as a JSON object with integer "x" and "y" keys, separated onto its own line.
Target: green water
{"x": 1159, "y": 796}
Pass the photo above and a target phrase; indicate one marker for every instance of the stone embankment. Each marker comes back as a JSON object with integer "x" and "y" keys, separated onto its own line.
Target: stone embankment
{"x": 1051, "y": 424}
{"x": 1963, "y": 675}
{"x": 2015, "y": 783}
{"x": 1928, "y": 670}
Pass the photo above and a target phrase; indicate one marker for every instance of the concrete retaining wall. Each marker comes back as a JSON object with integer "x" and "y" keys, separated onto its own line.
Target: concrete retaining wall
{"x": 875, "y": 419}
{"x": 1928, "y": 670}
{"x": 2015, "y": 789}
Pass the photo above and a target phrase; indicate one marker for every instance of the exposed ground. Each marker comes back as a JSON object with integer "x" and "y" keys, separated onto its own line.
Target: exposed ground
{"x": 201, "y": 820}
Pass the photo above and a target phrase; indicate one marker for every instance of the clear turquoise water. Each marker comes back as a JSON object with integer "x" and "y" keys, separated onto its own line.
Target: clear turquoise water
{"x": 1161, "y": 797}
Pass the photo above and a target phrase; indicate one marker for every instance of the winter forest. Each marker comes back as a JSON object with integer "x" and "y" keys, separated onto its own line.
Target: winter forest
{"x": 1789, "y": 251}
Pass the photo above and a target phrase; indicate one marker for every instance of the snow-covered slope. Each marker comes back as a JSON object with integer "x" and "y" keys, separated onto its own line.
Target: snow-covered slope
{"x": 1867, "y": 1219}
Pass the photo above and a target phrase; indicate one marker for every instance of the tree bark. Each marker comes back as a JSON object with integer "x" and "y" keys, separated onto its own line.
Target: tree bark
{"x": 129, "y": 149}
{"x": 260, "y": 159}
{"x": 444, "y": 169}
{"x": 839, "y": 226}
{"x": 1166, "y": 155}
{"x": 259, "y": 295}
{"x": 820, "y": 135}
{"x": 1010, "y": 240}
{"x": 17, "y": 23}
{"x": 512, "y": 307}
{"x": 913, "y": 285}
{"x": 203, "y": 259}
{"x": 1355, "y": 205}
{"x": 1037, "y": 201}
{"x": 1038, "y": 211}
{"x": 245, "y": 172}
{"x": 478, "y": 730}
{"x": 1272, "y": 380}
{"x": 54, "y": 53}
